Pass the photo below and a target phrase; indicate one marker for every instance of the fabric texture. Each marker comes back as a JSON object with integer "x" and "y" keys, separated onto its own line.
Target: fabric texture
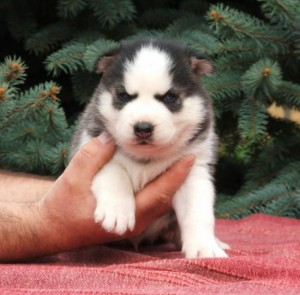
{"x": 264, "y": 259}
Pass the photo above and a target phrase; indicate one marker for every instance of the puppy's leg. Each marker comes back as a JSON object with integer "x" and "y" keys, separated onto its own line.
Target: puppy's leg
{"x": 194, "y": 204}
{"x": 223, "y": 245}
{"x": 115, "y": 208}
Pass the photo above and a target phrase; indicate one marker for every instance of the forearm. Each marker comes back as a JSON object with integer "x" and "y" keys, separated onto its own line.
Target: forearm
{"x": 24, "y": 230}
{"x": 20, "y": 226}
{"x": 27, "y": 231}
{"x": 16, "y": 187}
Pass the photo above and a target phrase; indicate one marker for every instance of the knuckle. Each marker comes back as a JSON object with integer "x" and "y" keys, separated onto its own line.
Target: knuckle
{"x": 86, "y": 154}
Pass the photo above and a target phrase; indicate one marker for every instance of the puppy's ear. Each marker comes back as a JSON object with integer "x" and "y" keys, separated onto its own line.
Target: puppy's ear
{"x": 201, "y": 65}
{"x": 106, "y": 60}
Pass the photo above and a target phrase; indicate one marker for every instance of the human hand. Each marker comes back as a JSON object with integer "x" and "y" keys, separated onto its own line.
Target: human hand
{"x": 69, "y": 205}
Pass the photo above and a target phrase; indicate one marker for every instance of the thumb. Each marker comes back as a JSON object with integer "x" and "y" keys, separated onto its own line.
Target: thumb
{"x": 156, "y": 198}
{"x": 92, "y": 156}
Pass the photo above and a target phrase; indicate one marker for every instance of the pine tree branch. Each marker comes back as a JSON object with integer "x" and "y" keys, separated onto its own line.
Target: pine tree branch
{"x": 70, "y": 8}
{"x": 235, "y": 23}
{"x": 38, "y": 98}
{"x": 288, "y": 95}
{"x": 48, "y": 38}
{"x": 112, "y": 12}
{"x": 281, "y": 12}
{"x": 68, "y": 59}
{"x": 253, "y": 120}
{"x": 253, "y": 202}
{"x": 262, "y": 79}
{"x": 95, "y": 50}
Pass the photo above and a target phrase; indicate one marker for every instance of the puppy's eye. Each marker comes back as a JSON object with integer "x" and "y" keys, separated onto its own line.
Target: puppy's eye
{"x": 125, "y": 97}
{"x": 169, "y": 97}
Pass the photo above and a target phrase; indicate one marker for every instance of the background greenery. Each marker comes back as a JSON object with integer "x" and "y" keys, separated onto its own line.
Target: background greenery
{"x": 255, "y": 45}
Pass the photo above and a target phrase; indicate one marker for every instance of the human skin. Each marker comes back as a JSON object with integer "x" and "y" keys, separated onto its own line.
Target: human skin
{"x": 43, "y": 216}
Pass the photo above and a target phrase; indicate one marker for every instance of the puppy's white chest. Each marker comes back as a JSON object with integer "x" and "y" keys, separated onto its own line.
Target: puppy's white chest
{"x": 141, "y": 173}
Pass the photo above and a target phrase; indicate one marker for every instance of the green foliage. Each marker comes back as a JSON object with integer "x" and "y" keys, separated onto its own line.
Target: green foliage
{"x": 288, "y": 95}
{"x": 232, "y": 23}
{"x": 263, "y": 53}
{"x": 253, "y": 119}
{"x": 48, "y": 38}
{"x": 111, "y": 12}
{"x": 263, "y": 78}
{"x": 34, "y": 133}
{"x": 94, "y": 51}
{"x": 281, "y": 12}
{"x": 256, "y": 50}
{"x": 68, "y": 59}
{"x": 280, "y": 196}
{"x": 70, "y": 8}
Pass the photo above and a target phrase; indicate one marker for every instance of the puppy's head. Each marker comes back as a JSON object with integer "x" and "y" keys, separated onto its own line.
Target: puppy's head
{"x": 150, "y": 97}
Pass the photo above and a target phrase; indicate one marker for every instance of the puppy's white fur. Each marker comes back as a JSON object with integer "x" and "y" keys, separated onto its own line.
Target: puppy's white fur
{"x": 114, "y": 186}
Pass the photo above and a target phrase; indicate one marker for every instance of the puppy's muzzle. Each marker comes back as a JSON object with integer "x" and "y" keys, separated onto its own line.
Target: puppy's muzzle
{"x": 143, "y": 130}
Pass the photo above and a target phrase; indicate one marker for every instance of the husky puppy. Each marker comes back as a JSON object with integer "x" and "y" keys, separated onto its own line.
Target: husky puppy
{"x": 151, "y": 101}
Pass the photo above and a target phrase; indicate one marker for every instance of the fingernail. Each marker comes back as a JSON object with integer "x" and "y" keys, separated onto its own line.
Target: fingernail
{"x": 104, "y": 138}
{"x": 190, "y": 160}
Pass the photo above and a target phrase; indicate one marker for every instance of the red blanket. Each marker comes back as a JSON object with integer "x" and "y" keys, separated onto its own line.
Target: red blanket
{"x": 264, "y": 259}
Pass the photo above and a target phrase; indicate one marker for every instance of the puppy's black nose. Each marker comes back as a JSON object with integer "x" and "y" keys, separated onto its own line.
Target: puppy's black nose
{"x": 143, "y": 130}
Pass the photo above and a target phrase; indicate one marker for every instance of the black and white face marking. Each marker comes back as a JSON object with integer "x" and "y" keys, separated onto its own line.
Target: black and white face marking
{"x": 151, "y": 98}
{"x": 121, "y": 97}
{"x": 171, "y": 99}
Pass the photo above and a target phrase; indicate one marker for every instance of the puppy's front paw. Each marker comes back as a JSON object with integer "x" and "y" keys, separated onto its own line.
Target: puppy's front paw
{"x": 204, "y": 249}
{"x": 116, "y": 215}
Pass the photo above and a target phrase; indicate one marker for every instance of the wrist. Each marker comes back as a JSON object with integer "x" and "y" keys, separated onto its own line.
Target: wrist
{"x": 68, "y": 227}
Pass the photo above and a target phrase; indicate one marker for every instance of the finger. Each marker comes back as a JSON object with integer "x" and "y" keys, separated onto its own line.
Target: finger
{"x": 92, "y": 156}
{"x": 156, "y": 198}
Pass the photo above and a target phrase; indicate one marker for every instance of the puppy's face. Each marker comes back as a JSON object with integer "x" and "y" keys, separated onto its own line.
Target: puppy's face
{"x": 150, "y": 97}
